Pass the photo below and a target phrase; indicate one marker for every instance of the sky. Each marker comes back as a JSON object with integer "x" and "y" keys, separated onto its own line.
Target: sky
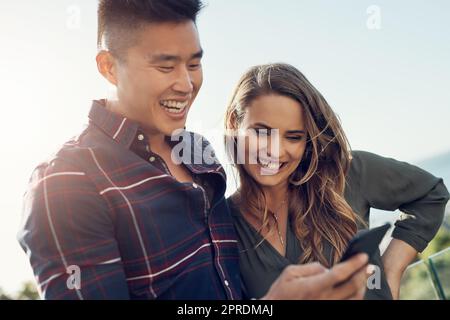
{"x": 383, "y": 66}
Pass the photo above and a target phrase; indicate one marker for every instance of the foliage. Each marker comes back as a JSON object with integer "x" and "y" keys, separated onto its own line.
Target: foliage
{"x": 27, "y": 292}
{"x": 430, "y": 277}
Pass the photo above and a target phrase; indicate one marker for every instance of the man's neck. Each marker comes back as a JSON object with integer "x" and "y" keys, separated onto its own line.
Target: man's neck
{"x": 157, "y": 141}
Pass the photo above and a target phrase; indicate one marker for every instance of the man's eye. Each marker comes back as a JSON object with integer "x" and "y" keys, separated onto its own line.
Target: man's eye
{"x": 165, "y": 69}
{"x": 195, "y": 66}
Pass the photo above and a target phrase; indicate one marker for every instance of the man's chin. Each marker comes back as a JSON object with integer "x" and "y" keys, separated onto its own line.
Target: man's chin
{"x": 174, "y": 131}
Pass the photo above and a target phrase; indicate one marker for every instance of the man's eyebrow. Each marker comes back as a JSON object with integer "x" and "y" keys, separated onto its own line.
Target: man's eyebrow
{"x": 171, "y": 58}
{"x": 197, "y": 55}
{"x": 163, "y": 58}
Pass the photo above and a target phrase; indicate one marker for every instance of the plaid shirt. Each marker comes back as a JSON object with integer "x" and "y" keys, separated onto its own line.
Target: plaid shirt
{"x": 108, "y": 207}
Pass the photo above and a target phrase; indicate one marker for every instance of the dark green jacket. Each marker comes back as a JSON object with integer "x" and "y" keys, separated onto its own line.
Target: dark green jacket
{"x": 372, "y": 182}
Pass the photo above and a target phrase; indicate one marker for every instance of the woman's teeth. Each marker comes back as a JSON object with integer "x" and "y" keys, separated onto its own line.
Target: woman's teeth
{"x": 174, "y": 106}
{"x": 270, "y": 165}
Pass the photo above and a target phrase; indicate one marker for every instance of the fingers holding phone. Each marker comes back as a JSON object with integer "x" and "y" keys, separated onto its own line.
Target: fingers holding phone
{"x": 312, "y": 281}
{"x": 292, "y": 284}
{"x": 346, "y": 280}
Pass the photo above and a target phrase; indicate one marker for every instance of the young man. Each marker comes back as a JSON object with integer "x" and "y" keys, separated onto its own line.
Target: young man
{"x": 112, "y": 216}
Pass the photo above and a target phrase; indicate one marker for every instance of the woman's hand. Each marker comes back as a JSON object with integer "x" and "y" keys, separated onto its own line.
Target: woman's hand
{"x": 396, "y": 259}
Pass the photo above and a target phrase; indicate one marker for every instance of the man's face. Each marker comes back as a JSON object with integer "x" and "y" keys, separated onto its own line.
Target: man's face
{"x": 161, "y": 76}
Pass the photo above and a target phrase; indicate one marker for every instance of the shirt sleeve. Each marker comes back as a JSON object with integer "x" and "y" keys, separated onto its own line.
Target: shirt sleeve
{"x": 388, "y": 184}
{"x": 68, "y": 235}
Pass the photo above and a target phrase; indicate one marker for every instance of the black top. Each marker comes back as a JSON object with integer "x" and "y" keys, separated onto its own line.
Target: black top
{"x": 372, "y": 181}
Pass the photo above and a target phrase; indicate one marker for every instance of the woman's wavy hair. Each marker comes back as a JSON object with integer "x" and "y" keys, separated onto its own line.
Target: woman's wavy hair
{"x": 316, "y": 202}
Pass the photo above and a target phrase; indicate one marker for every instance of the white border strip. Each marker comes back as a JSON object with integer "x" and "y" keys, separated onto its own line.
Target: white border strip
{"x": 120, "y": 128}
{"x": 178, "y": 262}
{"x": 132, "y": 185}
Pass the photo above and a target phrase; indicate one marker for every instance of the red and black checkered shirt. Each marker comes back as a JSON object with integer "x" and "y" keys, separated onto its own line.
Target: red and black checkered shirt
{"x": 107, "y": 206}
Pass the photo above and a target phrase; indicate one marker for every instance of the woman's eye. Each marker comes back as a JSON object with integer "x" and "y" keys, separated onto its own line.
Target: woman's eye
{"x": 297, "y": 138}
{"x": 262, "y": 132}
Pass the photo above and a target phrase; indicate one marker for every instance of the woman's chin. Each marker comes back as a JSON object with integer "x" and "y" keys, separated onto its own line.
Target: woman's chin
{"x": 265, "y": 177}
{"x": 269, "y": 180}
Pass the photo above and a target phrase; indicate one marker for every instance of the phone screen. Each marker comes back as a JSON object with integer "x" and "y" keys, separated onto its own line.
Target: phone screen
{"x": 366, "y": 241}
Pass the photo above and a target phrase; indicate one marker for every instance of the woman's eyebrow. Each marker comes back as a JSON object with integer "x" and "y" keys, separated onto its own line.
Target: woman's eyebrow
{"x": 260, "y": 124}
{"x": 265, "y": 126}
{"x": 296, "y": 131}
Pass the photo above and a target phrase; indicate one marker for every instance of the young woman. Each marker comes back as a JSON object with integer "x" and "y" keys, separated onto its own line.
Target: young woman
{"x": 305, "y": 199}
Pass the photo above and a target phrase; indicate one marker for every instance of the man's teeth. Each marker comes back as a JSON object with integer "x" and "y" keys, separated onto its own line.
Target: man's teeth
{"x": 174, "y": 106}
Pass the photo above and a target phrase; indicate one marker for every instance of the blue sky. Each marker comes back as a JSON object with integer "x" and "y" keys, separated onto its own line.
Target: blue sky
{"x": 389, "y": 86}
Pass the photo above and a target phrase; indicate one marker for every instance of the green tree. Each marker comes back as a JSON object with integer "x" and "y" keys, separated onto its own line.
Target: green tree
{"x": 28, "y": 292}
{"x": 418, "y": 282}
{"x": 441, "y": 241}
{"x": 4, "y": 296}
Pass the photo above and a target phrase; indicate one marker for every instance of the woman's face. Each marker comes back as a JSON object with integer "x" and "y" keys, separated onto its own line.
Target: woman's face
{"x": 273, "y": 155}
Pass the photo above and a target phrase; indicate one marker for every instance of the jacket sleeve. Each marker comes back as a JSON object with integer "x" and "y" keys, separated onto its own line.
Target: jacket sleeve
{"x": 68, "y": 235}
{"x": 388, "y": 184}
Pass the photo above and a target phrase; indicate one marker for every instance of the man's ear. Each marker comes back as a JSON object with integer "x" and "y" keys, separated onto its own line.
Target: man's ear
{"x": 106, "y": 65}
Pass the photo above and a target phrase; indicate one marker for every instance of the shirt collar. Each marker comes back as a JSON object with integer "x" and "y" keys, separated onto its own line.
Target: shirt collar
{"x": 117, "y": 127}
{"x": 125, "y": 131}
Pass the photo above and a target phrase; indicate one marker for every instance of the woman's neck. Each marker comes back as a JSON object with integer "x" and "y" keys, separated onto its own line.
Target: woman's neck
{"x": 275, "y": 195}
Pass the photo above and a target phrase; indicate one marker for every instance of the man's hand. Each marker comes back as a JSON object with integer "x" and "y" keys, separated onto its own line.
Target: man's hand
{"x": 312, "y": 281}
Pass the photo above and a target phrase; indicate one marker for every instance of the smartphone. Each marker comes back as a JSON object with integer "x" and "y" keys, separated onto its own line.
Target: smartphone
{"x": 366, "y": 241}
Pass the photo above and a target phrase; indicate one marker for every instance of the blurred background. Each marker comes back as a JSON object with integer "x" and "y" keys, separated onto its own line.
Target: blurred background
{"x": 384, "y": 66}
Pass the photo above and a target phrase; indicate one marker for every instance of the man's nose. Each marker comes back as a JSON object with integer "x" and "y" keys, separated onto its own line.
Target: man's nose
{"x": 184, "y": 83}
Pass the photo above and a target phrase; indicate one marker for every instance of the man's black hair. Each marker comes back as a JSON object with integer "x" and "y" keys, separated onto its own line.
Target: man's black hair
{"x": 118, "y": 20}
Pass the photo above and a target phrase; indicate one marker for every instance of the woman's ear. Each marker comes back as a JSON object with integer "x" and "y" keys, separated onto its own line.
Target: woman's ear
{"x": 106, "y": 65}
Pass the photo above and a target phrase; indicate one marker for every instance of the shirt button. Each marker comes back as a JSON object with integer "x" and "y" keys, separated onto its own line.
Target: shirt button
{"x": 140, "y": 137}
{"x": 151, "y": 159}
{"x": 195, "y": 185}
{"x": 226, "y": 283}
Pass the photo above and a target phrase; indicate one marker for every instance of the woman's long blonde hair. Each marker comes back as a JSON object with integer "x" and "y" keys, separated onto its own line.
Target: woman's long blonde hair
{"x": 316, "y": 203}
